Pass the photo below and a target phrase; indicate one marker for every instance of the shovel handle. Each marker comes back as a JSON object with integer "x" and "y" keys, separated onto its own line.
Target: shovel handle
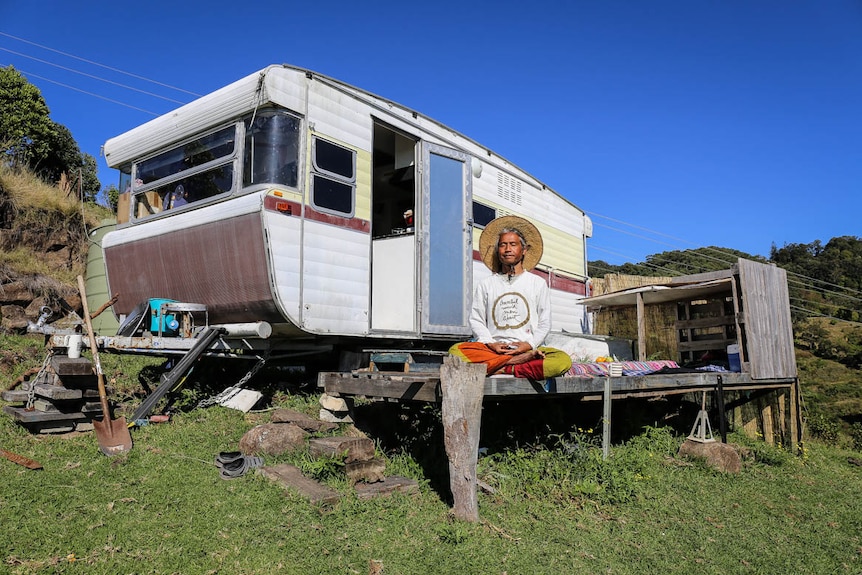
{"x": 103, "y": 396}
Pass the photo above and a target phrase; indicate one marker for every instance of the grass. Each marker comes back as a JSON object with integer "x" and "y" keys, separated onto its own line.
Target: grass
{"x": 557, "y": 506}
{"x": 43, "y": 217}
{"x": 162, "y": 508}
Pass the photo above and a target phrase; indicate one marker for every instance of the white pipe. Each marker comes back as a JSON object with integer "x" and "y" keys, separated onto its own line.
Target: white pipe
{"x": 260, "y": 329}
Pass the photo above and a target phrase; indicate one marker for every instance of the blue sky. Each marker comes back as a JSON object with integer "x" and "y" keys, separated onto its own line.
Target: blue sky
{"x": 675, "y": 124}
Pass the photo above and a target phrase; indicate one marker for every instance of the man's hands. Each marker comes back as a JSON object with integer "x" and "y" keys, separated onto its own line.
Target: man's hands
{"x": 510, "y": 348}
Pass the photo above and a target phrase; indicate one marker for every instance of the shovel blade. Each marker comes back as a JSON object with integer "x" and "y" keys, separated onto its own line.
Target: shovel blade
{"x": 113, "y": 436}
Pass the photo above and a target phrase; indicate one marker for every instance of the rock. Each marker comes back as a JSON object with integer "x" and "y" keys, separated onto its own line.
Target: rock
{"x": 371, "y": 471}
{"x": 332, "y": 403}
{"x": 302, "y": 420}
{"x": 335, "y": 416}
{"x": 13, "y": 318}
{"x": 273, "y": 439}
{"x": 720, "y": 456}
{"x": 15, "y": 292}
{"x": 352, "y": 448}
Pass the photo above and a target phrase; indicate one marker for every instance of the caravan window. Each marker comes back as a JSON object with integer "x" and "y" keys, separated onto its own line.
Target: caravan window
{"x": 482, "y": 214}
{"x": 271, "y": 149}
{"x": 334, "y": 178}
{"x": 194, "y": 171}
{"x": 188, "y": 156}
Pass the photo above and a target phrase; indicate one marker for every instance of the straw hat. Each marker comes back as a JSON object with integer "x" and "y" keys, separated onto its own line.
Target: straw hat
{"x": 491, "y": 236}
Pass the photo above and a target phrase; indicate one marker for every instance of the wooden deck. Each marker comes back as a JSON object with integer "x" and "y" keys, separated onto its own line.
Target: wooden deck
{"x": 765, "y": 407}
{"x": 426, "y": 386}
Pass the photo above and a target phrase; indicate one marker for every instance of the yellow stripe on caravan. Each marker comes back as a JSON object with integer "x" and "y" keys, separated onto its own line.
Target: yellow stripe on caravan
{"x": 363, "y": 185}
{"x": 561, "y": 251}
{"x": 362, "y": 205}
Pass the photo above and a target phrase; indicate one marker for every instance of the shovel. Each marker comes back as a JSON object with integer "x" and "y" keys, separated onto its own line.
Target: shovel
{"x": 113, "y": 435}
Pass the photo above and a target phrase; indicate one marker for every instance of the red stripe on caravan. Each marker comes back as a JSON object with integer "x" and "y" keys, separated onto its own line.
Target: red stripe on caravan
{"x": 286, "y": 207}
{"x": 557, "y": 282}
{"x": 276, "y": 204}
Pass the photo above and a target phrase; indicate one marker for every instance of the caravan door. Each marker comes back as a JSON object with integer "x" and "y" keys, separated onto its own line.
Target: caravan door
{"x": 447, "y": 241}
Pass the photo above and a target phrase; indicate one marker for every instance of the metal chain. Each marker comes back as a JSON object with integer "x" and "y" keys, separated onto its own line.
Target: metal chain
{"x": 31, "y": 391}
{"x": 235, "y": 389}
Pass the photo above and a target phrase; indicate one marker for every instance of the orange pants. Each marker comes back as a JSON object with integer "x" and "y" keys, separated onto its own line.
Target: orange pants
{"x": 554, "y": 363}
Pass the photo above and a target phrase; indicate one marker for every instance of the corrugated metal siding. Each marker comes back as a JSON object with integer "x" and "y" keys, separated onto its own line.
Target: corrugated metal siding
{"x": 566, "y": 313}
{"x": 221, "y": 264}
{"x": 335, "y": 276}
{"x": 284, "y": 234}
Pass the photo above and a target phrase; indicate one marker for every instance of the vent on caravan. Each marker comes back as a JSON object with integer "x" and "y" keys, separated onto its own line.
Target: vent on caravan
{"x": 509, "y": 188}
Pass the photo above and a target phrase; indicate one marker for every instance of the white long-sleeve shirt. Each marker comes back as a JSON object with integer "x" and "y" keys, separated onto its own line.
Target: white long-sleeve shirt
{"x": 519, "y": 310}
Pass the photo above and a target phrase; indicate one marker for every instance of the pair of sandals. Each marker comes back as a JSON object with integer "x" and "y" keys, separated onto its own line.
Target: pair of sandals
{"x": 233, "y": 464}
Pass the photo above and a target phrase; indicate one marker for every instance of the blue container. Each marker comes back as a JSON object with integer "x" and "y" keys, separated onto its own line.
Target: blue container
{"x": 166, "y": 324}
{"x": 733, "y": 358}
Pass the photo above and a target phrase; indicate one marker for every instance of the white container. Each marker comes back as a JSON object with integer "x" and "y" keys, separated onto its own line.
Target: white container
{"x": 73, "y": 343}
{"x": 615, "y": 369}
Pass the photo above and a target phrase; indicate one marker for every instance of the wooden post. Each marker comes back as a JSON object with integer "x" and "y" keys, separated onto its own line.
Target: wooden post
{"x": 795, "y": 414}
{"x": 462, "y": 386}
{"x": 606, "y": 420}
{"x": 642, "y": 354}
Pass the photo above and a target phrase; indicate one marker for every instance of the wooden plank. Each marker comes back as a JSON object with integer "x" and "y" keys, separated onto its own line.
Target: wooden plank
{"x": 382, "y": 384}
{"x": 23, "y": 416}
{"x": 386, "y": 487}
{"x": 701, "y": 277}
{"x": 56, "y": 391}
{"x": 705, "y": 344}
{"x": 64, "y": 365}
{"x": 768, "y": 327}
{"x": 461, "y": 385}
{"x": 20, "y": 459}
{"x": 15, "y": 395}
{"x": 291, "y": 477}
{"x": 704, "y": 322}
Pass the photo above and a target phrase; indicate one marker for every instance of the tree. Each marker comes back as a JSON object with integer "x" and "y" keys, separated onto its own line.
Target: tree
{"x": 31, "y": 139}
{"x": 63, "y": 155}
{"x": 112, "y": 195}
{"x": 26, "y": 129}
{"x": 91, "y": 184}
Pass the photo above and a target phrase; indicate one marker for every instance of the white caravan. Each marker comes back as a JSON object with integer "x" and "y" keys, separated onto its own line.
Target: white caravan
{"x": 328, "y": 212}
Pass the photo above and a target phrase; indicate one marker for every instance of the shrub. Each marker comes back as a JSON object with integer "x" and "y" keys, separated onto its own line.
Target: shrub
{"x": 856, "y": 436}
{"x": 824, "y": 428}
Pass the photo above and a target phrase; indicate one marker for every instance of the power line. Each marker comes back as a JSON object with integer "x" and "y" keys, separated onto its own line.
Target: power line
{"x": 90, "y": 94}
{"x": 825, "y": 316}
{"x": 92, "y": 76}
{"x": 100, "y": 65}
{"x": 703, "y": 253}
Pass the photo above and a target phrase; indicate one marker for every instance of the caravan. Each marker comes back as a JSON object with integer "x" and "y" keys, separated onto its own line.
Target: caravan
{"x": 329, "y": 213}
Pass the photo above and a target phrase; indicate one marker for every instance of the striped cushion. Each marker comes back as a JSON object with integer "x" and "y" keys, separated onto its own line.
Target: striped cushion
{"x": 600, "y": 369}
